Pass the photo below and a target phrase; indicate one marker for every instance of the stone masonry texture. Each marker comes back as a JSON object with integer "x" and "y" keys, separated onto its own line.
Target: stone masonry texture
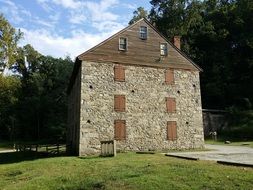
{"x": 146, "y": 115}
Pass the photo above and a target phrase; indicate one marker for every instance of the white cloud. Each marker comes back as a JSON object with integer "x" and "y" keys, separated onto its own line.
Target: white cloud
{"x": 45, "y": 5}
{"x": 71, "y": 38}
{"x": 55, "y": 17}
{"x": 77, "y": 18}
{"x": 44, "y": 23}
{"x": 130, "y": 6}
{"x": 53, "y": 41}
{"x": 68, "y": 3}
{"x": 72, "y": 4}
{"x": 100, "y": 11}
{"x": 25, "y": 12}
{"x": 16, "y": 12}
{"x": 80, "y": 10}
{"x": 7, "y": 2}
{"x": 59, "y": 46}
{"x": 107, "y": 26}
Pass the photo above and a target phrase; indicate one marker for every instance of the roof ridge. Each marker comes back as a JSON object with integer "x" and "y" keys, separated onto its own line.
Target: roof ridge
{"x": 104, "y": 41}
{"x": 156, "y": 30}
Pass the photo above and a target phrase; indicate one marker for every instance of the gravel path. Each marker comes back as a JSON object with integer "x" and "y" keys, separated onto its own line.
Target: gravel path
{"x": 235, "y": 154}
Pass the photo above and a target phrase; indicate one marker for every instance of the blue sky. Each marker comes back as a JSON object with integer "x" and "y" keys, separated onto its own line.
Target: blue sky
{"x": 68, "y": 27}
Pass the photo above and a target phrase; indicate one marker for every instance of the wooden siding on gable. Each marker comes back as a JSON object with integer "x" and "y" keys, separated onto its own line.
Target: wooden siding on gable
{"x": 139, "y": 52}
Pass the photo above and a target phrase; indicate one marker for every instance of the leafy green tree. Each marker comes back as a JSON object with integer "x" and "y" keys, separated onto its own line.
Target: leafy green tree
{"x": 55, "y": 74}
{"x": 9, "y": 96}
{"x": 43, "y": 99}
{"x": 216, "y": 34}
{"x": 33, "y": 103}
{"x": 169, "y": 16}
{"x": 138, "y": 14}
{"x": 9, "y": 38}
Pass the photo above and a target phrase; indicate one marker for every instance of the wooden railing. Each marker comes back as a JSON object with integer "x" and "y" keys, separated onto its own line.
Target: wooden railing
{"x": 52, "y": 149}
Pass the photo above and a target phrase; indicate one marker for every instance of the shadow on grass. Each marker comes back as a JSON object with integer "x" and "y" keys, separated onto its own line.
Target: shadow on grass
{"x": 15, "y": 157}
{"x": 95, "y": 157}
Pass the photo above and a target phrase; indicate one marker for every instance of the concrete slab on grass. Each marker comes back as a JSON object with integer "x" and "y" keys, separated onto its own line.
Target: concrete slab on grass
{"x": 183, "y": 157}
{"x": 233, "y": 155}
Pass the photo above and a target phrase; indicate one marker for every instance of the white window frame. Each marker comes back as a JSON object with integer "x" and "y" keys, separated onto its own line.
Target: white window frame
{"x": 122, "y": 49}
{"x": 143, "y": 33}
{"x": 163, "y": 51}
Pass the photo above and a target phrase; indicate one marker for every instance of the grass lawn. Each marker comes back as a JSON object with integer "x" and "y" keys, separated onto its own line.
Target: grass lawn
{"x": 233, "y": 143}
{"x": 126, "y": 171}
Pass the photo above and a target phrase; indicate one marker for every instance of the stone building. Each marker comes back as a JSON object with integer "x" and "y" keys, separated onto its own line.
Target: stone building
{"x": 138, "y": 88}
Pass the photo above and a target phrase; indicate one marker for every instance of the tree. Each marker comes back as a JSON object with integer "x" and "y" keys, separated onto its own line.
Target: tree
{"x": 33, "y": 103}
{"x": 9, "y": 38}
{"x": 138, "y": 14}
{"x": 43, "y": 96}
{"x": 216, "y": 34}
{"x": 9, "y": 96}
{"x": 169, "y": 16}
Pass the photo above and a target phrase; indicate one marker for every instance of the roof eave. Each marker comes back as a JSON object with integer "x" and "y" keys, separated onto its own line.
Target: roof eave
{"x": 126, "y": 28}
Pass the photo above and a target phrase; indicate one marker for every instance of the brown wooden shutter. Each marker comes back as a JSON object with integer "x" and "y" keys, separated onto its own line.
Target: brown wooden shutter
{"x": 119, "y": 103}
{"x": 119, "y": 73}
{"x": 171, "y": 105}
{"x": 169, "y": 76}
{"x": 171, "y": 130}
{"x": 120, "y": 129}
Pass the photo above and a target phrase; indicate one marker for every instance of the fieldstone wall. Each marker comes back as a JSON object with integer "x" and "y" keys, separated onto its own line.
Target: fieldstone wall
{"x": 146, "y": 115}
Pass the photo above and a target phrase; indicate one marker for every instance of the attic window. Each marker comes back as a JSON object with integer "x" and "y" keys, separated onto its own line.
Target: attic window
{"x": 163, "y": 49}
{"x": 143, "y": 32}
{"x": 122, "y": 44}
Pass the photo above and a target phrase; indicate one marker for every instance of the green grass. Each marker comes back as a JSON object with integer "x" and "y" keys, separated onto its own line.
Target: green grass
{"x": 126, "y": 171}
{"x": 233, "y": 143}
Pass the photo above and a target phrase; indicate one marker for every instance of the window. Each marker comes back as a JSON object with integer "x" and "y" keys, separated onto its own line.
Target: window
{"x": 119, "y": 73}
{"x": 163, "y": 49}
{"x": 123, "y": 44}
{"x": 119, "y": 103}
{"x": 120, "y": 129}
{"x": 171, "y": 130}
{"x": 143, "y": 32}
{"x": 169, "y": 76}
{"x": 171, "y": 105}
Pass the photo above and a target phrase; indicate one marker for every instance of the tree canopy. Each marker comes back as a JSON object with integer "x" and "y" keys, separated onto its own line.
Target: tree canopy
{"x": 9, "y": 38}
{"x": 138, "y": 14}
{"x": 33, "y": 100}
{"x": 217, "y": 35}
